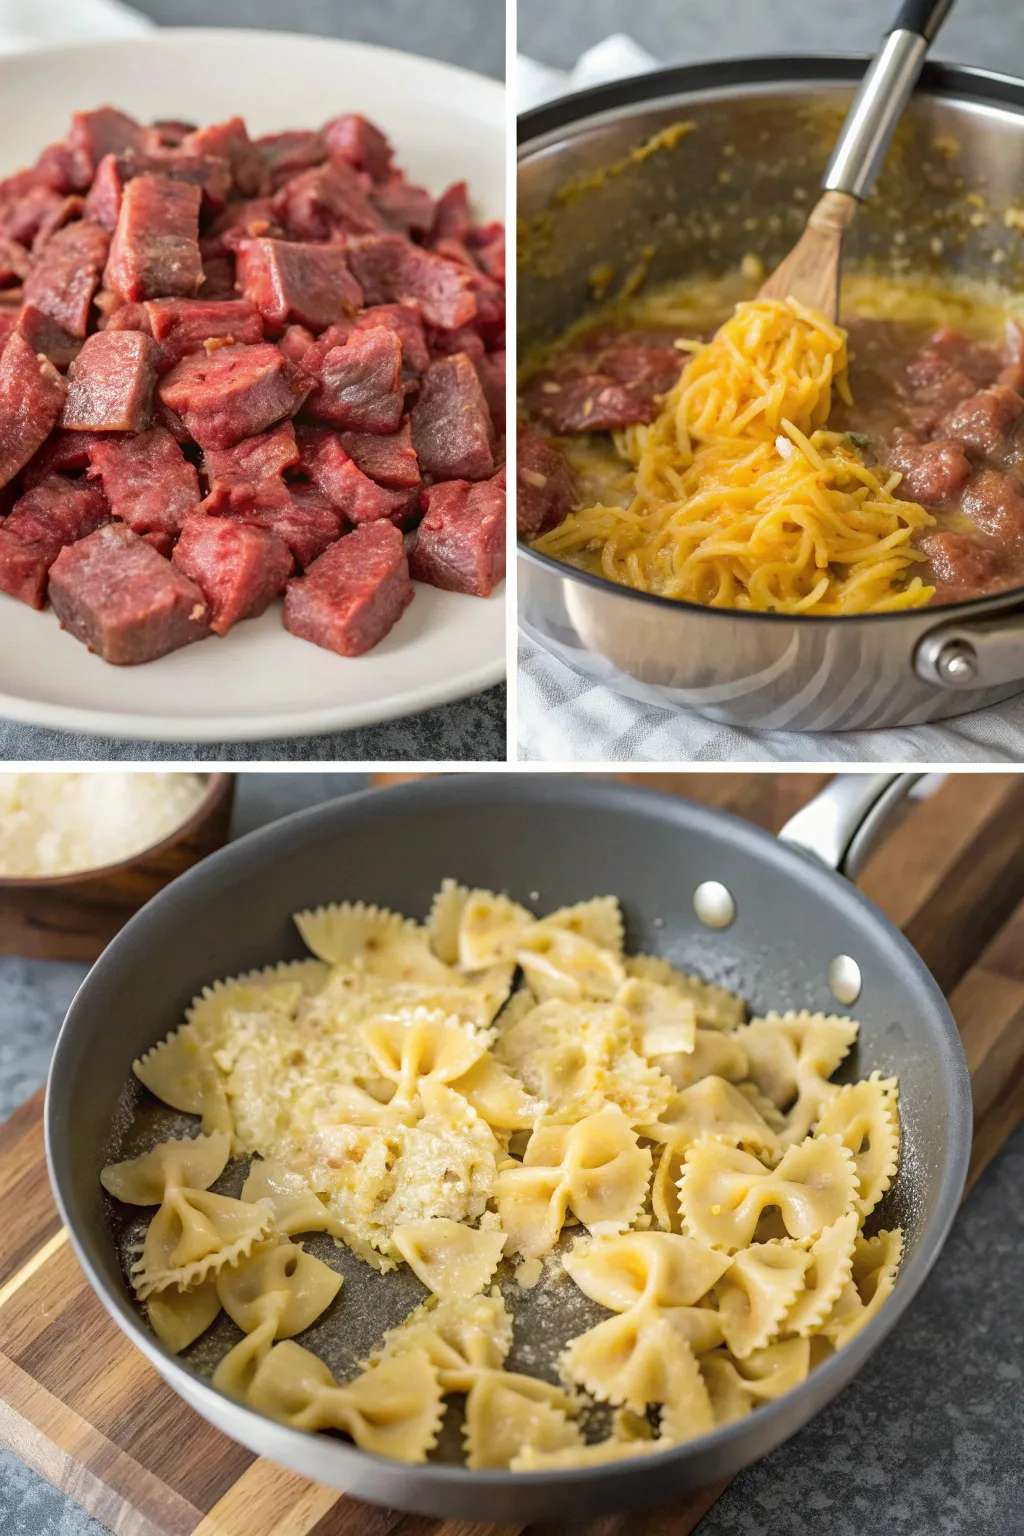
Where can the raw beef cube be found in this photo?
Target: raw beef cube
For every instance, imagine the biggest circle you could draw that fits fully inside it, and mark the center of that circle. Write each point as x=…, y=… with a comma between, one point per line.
x=210, y=173
x=251, y=220
x=31, y=396
x=103, y=203
x=148, y=481
x=351, y=492
x=218, y=277
x=452, y=221
x=14, y=261
x=96, y=134
x=544, y=488
x=230, y=140
x=460, y=544
x=46, y=518
x=490, y=370
x=240, y=568
x=359, y=385
x=388, y=460
x=404, y=206
x=234, y=393
x=349, y=598
x=21, y=218
x=326, y=201
x=110, y=383
x=67, y=209
x=45, y=336
x=65, y=277
x=60, y=167
x=405, y=321
x=392, y=270
x=285, y=154
x=305, y=283
x=296, y=342
x=250, y=473
x=162, y=542
x=352, y=139
x=182, y=326
x=304, y=520
x=488, y=246
x=451, y=424
x=124, y=317
x=168, y=132
x=8, y=325
x=155, y=249
x=122, y=599
x=65, y=453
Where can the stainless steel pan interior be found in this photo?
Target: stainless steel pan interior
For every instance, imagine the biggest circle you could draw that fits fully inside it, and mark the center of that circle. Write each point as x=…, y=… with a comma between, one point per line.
x=547, y=841
x=743, y=181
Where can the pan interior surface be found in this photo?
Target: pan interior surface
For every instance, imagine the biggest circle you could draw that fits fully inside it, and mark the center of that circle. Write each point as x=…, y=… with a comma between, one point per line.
x=547, y=842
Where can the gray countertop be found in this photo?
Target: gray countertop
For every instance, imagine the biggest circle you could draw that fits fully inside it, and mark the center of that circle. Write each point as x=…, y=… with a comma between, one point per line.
x=470, y=33
x=926, y=1442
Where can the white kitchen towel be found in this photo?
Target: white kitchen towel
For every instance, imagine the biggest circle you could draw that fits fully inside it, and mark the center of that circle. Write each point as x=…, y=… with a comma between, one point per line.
x=565, y=718
x=28, y=24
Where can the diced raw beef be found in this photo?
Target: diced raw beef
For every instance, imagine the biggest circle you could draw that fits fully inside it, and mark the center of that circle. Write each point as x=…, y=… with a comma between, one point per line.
x=168, y=132
x=404, y=206
x=218, y=277
x=22, y=218
x=60, y=167
x=393, y=270
x=304, y=520
x=296, y=342
x=389, y=460
x=250, y=473
x=488, y=246
x=182, y=326
x=359, y=385
x=148, y=481
x=352, y=596
x=122, y=599
x=932, y=472
x=53, y=514
x=285, y=154
x=406, y=322
x=210, y=173
x=239, y=568
x=460, y=544
x=31, y=396
x=980, y=421
x=106, y=132
x=46, y=337
x=545, y=494
x=124, y=317
x=65, y=277
x=351, y=492
x=491, y=371
x=356, y=141
x=291, y=281
x=63, y=453
x=8, y=325
x=451, y=424
x=67, y=209
x=110, y=384
x=251, y=220
x=325, y=202
x=103, y=203
x=230, y=140
x=155, y=249
x=162, y=542
x=14, y=261
x=452, y=220
x=234, y=393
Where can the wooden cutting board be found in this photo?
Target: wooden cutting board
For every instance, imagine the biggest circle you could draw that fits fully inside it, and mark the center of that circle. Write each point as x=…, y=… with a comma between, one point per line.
x=79, y=1404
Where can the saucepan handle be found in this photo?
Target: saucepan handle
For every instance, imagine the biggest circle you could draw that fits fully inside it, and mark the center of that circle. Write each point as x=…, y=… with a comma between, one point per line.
x=983, y=654
x=841, y=825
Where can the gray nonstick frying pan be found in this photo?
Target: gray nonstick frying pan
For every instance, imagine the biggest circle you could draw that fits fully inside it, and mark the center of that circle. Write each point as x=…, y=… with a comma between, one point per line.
x=800, y=936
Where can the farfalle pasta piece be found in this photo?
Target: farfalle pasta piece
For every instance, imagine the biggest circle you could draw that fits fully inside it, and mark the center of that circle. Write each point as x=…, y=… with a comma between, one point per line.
x=408, y=1050
x=182, y=1073
x=192, y=1162
x=599, y=920
x=275, y=1293
x=393, y=1409
x=491, y=928
x=296, y=1209
x=712, y=1107
x=737, y=1386
x=372, y=939
x=866, y=1116
x=178, y=1318
x=463, y=1339
x=193, y=1235
x=274, y=988
x=453, y=1261
x=829, y=1271
x=876, y=1262
x=571, y=1457
x=444, y=919
x=792, y=1056
x=637, y=1359
x=724, y=1191
x=595, y=1168
x=507, y=1414
x=717, y=1007
x=654, y=1267
x=714, y=1054
x=559, y=963
x=757, y=1292
x=663, y=1021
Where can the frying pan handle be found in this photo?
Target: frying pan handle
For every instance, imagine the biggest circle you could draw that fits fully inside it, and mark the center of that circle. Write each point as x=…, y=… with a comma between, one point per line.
x=840, y=826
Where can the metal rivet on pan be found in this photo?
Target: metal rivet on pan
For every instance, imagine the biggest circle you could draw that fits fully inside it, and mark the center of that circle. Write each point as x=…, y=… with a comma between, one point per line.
x=844, y=978
x=713, y=904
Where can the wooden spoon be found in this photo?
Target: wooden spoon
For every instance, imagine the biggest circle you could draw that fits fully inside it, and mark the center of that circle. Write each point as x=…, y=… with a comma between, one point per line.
x=810, y=273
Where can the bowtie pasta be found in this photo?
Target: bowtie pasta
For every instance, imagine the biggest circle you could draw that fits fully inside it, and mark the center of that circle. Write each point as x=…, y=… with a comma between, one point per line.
x=507, y=1104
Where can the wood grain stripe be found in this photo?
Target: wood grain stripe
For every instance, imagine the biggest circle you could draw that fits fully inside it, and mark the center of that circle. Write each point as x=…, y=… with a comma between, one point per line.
x=269, y=1499
x=35, y=1263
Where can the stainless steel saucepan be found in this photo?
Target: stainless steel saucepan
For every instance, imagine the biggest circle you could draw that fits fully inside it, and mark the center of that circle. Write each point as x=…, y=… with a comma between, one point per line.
x=800, y=936
x=743, y=181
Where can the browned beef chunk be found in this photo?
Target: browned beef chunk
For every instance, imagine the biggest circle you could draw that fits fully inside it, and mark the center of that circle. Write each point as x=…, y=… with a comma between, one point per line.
x=292, y=281
x=95, y=134
x=392, y=270
x=932, y=473
x=230, y=141
x=359, y=384
x=348, y=489
x=148, y=481
x=356, y=141
x=236, y=392
x=110, y=384
x=452, y=220
x=965, y=565
x=239, y=568
x=63, y=453
x=326, y=202
x=303, y=519
x=389, y=460
x=286, y=154
x=31, y=396
x=592, y=403
x=14, y=262
x=352, y=596
x=250, y=474
x=544, y=488
x=980, y=421
x=451, y=423
x=155, y=250
x=54, y=513
x=995, y=502
x=460, y=544
x=404, y=206
x=65, y=276
x=103, y=204
x=125, y=601
x=182, y=326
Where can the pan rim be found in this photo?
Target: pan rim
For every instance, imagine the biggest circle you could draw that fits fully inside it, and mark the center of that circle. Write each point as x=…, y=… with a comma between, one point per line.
x=342, y=1462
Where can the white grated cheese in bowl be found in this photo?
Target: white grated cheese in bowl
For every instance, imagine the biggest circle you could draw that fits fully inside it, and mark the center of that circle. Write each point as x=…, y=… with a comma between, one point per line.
x=64, y=823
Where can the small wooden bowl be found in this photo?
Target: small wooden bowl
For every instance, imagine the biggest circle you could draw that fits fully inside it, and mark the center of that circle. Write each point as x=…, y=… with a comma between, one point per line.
x=74, y=917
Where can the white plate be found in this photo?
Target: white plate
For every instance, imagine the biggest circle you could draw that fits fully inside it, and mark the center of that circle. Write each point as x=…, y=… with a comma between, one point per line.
x=258, y=682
